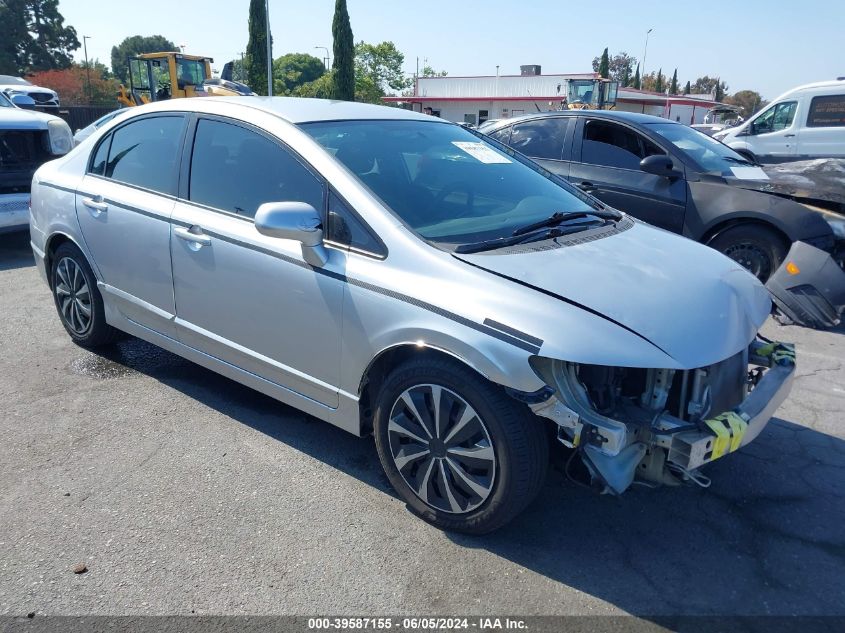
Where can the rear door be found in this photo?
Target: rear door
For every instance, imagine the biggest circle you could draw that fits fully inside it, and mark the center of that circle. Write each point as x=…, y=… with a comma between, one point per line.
x=124, y=204
x=609, y=168
x=544, y=141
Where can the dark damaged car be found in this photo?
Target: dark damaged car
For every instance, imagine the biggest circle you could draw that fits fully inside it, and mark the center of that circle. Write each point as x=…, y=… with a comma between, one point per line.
x=671, y=176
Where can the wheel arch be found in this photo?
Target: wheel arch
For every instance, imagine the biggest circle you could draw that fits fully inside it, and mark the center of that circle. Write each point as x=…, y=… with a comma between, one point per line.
x=52, y=245
x=743, y=220
x=380, y=365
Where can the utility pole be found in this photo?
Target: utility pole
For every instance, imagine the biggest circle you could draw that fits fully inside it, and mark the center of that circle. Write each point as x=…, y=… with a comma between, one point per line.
x=85, y=39
x=327, y=58
x=645, y=50
x=269, y=50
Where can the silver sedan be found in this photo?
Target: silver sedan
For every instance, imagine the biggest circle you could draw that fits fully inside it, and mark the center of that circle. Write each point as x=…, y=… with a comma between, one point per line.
x=401, y=276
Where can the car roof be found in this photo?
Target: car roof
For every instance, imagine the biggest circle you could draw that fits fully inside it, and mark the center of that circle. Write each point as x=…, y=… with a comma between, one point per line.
x=305, y=110
x=618, y=115
x=11, y=79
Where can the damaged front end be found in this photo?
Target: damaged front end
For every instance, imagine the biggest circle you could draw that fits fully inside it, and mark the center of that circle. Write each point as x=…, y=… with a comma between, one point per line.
x=659, y=426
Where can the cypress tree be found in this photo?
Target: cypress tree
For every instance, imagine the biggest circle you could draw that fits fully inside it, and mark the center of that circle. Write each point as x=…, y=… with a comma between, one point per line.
x=344, y=54
x=673, y=87
x=659, y=84
x=604, y=65
x=256, y=48
x=637, y=82
x=687, y=88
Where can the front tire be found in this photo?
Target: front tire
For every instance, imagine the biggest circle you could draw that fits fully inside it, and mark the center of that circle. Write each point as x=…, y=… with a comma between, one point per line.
x=757, y=248
x=78, y=300
x=459, y=451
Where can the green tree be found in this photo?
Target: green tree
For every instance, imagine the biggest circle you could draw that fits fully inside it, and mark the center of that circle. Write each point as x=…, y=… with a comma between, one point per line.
x=256, y=48
x=673, y=87
x=378, y=70
x=749, y=100
x=721, y=87
x=33, y=37
x=687, y=88
x=322, y=88
x=708, y=85
x=344, y=54
x=428, y=71
x=637, y=83
x=620, y=66
x=660, y=82
x=52, y=42
x=295, y=69
x=136, y=45
x=604, y=65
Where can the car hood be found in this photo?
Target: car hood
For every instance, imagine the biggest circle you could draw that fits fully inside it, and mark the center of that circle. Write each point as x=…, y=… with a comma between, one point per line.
x=692, y=303
x=18, y=119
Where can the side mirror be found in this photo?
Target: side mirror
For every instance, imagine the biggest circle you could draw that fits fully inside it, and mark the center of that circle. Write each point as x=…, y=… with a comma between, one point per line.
x=659, y=165
x=23, y=101
x=294, y=221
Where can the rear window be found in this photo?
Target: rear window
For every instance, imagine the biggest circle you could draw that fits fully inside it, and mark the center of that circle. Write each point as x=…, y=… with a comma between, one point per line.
x=827, y=111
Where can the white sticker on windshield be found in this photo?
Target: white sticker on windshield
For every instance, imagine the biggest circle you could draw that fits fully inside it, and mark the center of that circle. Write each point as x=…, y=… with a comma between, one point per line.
x=749, y=173
x=481, y=152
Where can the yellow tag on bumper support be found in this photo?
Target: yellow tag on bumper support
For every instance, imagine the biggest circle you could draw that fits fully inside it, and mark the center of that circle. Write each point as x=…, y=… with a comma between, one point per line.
x=729, y=428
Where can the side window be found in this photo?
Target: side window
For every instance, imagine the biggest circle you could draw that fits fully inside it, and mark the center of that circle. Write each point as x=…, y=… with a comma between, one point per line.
x=778, y=117
x=98, y=161
x=542, y=138
x=145, y=153
x=344, y=227
x=615, y=145
x=503, y=135
x=784, y=114
x=237, y=170
x=827, y=111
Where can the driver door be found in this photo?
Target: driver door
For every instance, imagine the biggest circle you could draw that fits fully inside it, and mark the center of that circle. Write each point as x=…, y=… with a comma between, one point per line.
x=242, y=297
x=774, y=134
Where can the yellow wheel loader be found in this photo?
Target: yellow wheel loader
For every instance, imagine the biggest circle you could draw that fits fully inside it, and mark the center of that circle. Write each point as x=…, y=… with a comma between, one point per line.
x=160, y=76
x=591, y=94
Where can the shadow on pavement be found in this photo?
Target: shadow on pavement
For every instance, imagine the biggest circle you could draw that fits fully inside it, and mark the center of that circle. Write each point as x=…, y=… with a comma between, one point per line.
x=15, y=251
x=765, y=538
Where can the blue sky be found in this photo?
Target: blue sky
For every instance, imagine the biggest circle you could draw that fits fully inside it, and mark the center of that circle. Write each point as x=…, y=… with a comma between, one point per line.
x=757, y=44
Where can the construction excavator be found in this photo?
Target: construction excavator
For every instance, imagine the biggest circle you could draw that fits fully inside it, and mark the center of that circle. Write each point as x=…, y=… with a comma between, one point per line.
x=169, y=75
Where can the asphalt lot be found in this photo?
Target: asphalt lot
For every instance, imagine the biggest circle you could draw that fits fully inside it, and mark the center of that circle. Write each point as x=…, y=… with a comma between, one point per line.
x=184, y=492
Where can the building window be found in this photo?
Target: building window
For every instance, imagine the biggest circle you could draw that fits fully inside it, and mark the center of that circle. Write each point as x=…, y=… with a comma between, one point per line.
x=483, y=115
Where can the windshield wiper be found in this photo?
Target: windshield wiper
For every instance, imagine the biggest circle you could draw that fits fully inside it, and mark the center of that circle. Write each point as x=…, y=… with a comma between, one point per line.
x=511, y=240
x=559, y=216
x=740, y=161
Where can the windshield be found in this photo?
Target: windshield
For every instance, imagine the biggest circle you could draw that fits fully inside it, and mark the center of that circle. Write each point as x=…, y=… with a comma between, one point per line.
x=709, y=154
x=10, y=80
x=443, y=181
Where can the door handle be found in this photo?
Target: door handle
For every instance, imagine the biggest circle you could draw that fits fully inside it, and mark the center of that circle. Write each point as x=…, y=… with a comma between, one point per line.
x=193, y=235
x=587, y=187
x=788, y=135
x=95, y=205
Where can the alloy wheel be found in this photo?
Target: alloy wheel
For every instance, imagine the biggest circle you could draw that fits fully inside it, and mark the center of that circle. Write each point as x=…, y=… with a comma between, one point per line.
x=73, y=296
x=441, y=448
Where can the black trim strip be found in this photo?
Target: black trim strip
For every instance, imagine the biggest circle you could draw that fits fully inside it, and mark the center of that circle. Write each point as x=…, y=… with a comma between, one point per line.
x=514, y=332
x=532, y=346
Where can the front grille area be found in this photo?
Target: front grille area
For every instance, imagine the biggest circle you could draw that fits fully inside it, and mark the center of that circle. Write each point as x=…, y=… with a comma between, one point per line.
x=23, y=149
x=21, y=153
x=41, y=97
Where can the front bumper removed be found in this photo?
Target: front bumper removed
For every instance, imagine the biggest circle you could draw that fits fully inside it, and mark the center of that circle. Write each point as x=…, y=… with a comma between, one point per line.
x=617, y=451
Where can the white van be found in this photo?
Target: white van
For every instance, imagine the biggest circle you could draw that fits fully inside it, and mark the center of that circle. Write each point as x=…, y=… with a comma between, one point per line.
x=806, y=122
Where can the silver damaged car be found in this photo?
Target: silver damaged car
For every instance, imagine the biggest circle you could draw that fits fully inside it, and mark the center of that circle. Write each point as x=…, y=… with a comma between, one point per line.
x=401, y=276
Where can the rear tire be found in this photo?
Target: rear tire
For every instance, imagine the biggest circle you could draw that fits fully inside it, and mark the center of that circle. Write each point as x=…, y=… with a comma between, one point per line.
x=77, y=299
x=757, y=248
x=474, y=465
